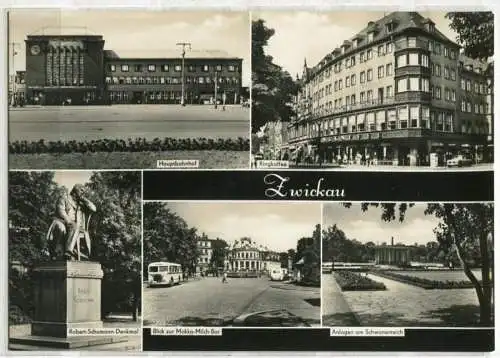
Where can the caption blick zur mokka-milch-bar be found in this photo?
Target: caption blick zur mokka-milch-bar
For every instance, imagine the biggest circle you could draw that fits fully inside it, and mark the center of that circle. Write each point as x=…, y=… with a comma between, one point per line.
x=398, y=92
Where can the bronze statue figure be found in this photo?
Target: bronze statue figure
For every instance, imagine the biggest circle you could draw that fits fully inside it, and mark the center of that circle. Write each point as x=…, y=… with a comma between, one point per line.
x=69, y=228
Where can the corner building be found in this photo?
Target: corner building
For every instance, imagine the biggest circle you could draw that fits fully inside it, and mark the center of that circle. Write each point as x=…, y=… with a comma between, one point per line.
x=395, y=93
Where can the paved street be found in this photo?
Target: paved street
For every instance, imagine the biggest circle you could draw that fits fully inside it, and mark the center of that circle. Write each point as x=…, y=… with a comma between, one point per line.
x=127, y=121
x=388, y=168
x=210, y=302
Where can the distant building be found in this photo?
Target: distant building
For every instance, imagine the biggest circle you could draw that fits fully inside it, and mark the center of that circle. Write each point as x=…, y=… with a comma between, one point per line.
x=206, y=252
x=247, y=255
x=397, y=255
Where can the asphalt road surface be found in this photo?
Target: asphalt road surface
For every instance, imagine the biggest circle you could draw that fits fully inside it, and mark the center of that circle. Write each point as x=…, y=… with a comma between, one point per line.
x=209, y=302
x=127, y=121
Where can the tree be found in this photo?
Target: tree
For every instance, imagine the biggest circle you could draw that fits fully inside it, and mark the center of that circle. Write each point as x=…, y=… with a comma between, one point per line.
x=465, y=229
x=32, y=203
x=272, y=88
x=167, y=237
x=116, y=232
x=475, y=32
x=219, y=253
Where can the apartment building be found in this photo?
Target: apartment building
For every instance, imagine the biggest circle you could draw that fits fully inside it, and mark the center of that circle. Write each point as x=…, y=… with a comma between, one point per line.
x=397, y=93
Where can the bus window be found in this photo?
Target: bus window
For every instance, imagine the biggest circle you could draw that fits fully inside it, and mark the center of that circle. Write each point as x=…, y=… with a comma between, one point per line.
x=153, y=269
x=163, y=268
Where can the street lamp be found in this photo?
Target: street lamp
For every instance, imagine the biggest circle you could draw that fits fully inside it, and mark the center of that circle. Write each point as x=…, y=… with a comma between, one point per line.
x=184, y=45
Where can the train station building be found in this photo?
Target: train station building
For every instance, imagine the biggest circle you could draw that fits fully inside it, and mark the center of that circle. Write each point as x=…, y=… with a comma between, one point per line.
x=77, y=69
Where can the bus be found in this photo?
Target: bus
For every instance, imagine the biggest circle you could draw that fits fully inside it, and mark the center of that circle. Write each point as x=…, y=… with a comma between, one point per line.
x=164, y=273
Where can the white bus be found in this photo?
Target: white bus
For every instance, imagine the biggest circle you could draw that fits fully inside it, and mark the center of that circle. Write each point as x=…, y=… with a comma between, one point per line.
x=164, y=273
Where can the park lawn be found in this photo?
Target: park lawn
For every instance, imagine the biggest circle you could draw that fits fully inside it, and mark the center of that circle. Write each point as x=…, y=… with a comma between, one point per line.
x=208, y=159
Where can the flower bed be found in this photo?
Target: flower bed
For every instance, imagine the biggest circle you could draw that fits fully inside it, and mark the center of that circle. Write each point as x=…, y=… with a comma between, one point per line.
x=424, y=283
x=130, y=145
x=350, y=281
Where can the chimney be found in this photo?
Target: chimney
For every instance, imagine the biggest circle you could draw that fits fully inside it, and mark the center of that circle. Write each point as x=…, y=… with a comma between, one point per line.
x=392, y=241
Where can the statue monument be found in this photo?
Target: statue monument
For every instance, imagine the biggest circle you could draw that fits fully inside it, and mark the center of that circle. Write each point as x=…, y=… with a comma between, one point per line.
x=67, y=289
x=70, y=227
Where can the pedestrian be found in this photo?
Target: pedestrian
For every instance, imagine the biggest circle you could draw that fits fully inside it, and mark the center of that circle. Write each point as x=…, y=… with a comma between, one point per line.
x=224, y=277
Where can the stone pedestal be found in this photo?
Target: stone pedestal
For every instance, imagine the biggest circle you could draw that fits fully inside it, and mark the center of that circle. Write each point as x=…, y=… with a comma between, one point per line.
x=67, y=295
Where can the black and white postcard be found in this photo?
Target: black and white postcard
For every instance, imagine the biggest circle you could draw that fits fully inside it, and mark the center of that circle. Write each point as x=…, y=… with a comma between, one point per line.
x=123, y=89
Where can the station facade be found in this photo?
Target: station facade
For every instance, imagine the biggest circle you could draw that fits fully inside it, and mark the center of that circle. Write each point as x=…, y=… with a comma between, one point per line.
x=78, y=70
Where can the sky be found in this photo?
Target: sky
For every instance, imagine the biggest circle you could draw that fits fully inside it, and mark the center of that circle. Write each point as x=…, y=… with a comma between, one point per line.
x=276, y=225
x=139, y=33
x=312, y=35
x=368, y=226
x=70, y=178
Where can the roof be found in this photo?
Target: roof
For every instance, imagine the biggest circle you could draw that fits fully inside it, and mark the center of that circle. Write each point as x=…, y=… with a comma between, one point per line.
x=168, y=54
x=401, y=20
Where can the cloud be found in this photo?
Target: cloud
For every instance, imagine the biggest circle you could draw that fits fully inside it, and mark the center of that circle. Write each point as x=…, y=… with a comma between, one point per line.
x=368, y=226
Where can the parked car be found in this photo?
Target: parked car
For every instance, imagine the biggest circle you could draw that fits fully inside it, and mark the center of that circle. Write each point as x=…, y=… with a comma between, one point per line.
x=459, y=161
x=277, y=275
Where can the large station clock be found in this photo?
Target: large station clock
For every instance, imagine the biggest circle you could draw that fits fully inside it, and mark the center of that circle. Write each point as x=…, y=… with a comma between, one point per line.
x=35, y=50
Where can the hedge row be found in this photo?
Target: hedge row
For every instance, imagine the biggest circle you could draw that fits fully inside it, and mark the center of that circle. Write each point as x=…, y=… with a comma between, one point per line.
x=425, y=283
x=130, y=145
x=350, y=281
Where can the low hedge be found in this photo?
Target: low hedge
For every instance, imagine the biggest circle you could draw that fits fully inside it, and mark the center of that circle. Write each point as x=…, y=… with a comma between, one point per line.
x=350, y=281
x=130, y=145
x=423, y=282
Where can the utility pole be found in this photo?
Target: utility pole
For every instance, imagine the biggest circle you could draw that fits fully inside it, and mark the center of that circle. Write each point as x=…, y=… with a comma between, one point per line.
x=215, y=88
x=184, y=45
x=13, y=46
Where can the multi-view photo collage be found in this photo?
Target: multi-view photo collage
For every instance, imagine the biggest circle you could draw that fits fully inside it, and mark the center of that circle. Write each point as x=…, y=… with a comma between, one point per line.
x=122, y=123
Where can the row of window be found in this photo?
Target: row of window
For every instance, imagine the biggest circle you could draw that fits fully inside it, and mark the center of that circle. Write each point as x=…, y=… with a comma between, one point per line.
x=167, y=68
x=479, y=88
x=383, y=49
x=64, y=70
x=246, y=255
x=351, y=62
x=393, y=119
x=364, y=76
x=152, y=96
x=141, y=80
x=204, y=243
x=478, y=108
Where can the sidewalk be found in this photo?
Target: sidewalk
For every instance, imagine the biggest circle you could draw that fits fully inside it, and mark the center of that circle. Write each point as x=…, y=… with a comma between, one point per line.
x=336, y=310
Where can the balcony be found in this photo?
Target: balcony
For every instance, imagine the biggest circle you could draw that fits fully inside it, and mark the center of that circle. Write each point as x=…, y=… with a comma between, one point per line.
x=412, y=70
x=378, y=102
x=404, y=44
x=413, y=97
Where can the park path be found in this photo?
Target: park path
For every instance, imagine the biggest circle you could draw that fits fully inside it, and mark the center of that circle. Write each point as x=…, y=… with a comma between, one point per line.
x=336, y=310
x=407, y=305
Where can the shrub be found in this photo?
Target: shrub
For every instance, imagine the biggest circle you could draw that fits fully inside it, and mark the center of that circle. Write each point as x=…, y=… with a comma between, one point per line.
x=425, y=283
x=350, y=281
x=130, y=145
